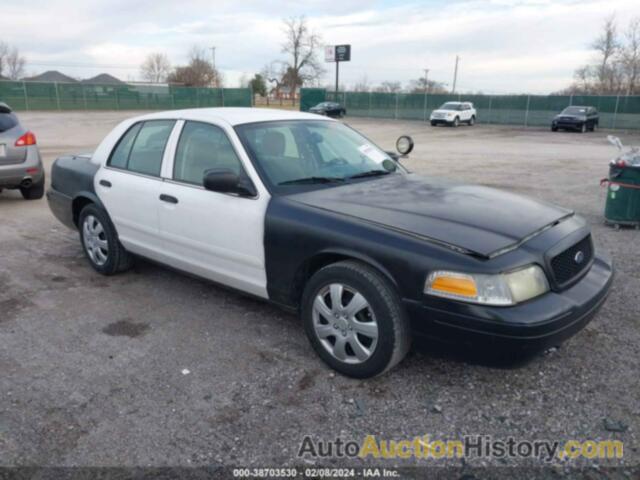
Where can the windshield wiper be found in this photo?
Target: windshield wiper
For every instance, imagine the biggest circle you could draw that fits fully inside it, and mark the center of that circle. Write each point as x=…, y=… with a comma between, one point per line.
x=310, y=180
x=371, y=173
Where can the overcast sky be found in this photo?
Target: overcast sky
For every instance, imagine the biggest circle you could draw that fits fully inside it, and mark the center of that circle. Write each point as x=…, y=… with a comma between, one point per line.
x=505, y=46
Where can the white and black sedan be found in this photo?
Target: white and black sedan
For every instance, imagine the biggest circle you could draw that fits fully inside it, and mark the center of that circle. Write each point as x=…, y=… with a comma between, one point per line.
x=307, y=213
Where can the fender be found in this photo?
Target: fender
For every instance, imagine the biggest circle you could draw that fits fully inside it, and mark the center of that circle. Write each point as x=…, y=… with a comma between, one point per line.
x=361, y=257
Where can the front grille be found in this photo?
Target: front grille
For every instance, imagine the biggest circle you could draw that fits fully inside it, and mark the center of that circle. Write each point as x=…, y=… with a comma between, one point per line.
x=566, y=266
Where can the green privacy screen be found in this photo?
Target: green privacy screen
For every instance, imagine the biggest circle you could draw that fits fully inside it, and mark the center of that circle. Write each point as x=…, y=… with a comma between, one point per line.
x=80, y=96
x=310, y=97
x=524, y=110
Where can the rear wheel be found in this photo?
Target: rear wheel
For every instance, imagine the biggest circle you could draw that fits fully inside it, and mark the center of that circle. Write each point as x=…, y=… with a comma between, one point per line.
x=34, y=192
x=472, y=121
x=354, y=320
x=100, y=242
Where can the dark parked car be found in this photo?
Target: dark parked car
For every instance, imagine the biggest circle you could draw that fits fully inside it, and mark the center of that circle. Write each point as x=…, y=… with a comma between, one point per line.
x=20, y=164
x=576, y=118
x=330, y=109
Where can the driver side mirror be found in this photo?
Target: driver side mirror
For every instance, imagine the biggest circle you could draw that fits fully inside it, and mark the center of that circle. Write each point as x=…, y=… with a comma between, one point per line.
x=223, y=180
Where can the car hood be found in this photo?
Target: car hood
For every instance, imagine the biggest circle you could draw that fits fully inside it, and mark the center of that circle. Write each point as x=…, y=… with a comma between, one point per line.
x=570, y=116
x=479, y=220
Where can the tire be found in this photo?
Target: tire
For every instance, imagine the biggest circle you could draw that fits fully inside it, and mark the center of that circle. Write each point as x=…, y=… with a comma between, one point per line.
x=456, y=122
x=433, y=124
x=372, y=339
x=594, y=127
x=472, y=121
x=97, y=233
x=583, y=128
x=554, y=129
x=34, y=192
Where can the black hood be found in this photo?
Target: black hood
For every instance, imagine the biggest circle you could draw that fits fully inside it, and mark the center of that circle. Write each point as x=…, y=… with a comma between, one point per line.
x=480, y=220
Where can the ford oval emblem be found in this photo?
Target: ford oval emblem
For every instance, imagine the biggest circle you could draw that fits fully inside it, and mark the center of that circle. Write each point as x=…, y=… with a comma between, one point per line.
x=579, y=257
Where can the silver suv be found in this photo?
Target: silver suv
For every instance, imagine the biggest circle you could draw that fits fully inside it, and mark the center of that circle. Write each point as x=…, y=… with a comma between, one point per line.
x=20, y=163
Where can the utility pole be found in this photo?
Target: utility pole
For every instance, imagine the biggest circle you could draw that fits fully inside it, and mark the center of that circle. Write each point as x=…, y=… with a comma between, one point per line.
x=426, y=88
x=213, y=57
x=455, y=75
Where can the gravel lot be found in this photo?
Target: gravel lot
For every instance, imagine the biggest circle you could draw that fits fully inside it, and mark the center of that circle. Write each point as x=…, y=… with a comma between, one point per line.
x=92, y=367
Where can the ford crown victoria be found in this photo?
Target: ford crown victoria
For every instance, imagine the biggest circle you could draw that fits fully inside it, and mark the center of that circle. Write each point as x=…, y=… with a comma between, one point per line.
x=308, y=213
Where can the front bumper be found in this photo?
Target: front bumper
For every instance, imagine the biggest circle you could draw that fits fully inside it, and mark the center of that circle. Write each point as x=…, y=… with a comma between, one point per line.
x=567, y=125
x=530, y=327
x=443, y=121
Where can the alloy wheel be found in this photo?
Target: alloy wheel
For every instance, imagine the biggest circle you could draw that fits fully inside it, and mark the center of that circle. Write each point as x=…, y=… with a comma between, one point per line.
x=345, y=323
x=95, y=240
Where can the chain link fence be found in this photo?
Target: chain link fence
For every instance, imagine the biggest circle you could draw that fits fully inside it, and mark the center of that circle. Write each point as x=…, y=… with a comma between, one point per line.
x=82, y=96
x=622, y=112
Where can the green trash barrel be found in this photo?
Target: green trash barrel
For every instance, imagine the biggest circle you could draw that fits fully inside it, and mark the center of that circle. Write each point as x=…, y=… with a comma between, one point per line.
x=623, y=195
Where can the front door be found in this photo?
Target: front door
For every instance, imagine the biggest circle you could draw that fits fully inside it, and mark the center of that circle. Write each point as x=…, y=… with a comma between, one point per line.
x=215, y=235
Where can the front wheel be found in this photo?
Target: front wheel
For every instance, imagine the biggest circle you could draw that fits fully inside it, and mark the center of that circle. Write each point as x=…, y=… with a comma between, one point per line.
x=100, y=242
x=354, y=320
x=583, y=128
x=472, y=121
x=456, y=122
x=433, y=124
x=554, y=128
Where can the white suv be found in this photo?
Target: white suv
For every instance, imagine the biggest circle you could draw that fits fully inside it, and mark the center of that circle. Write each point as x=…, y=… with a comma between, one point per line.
x=454, y=113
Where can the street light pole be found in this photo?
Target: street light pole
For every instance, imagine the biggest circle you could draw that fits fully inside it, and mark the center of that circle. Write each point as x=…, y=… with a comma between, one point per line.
x=213, y=57
x=455, y=75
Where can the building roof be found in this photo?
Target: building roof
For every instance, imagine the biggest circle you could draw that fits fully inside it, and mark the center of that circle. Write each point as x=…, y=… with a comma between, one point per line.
x=234, y=115
x=51, y=76
x=104, y=79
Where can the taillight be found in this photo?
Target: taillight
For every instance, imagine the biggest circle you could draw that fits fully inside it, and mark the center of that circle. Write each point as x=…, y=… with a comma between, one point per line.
x=26, y=140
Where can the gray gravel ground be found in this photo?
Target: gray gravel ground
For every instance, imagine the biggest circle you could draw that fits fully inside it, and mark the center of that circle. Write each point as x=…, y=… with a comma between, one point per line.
x=92, y=367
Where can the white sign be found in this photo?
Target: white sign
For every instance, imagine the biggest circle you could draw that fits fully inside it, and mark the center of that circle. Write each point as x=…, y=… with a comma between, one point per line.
x=330, y=53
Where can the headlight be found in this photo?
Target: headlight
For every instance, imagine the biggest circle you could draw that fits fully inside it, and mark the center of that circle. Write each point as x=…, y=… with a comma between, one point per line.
x=502, y=289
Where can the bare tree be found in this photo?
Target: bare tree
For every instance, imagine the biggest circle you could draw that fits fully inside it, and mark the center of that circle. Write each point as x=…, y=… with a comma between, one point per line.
x=15, y=64
x=4, y=51
x=389, y=87
x=422, y=85
x=198, y=73
x=362, y=85
x=155, y=68
x=301, y=45
x=607, y=45
x=630, y=56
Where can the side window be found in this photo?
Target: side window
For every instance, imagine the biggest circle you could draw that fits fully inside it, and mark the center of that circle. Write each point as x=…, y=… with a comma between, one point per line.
x=120, y=156
x=148, y=148
x=202, y=147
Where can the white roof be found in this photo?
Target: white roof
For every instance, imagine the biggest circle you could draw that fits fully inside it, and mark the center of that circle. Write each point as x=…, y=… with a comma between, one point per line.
x=234, y=115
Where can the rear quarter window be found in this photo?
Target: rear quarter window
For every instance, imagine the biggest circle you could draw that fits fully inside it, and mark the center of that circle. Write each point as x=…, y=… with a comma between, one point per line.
x=7, y=121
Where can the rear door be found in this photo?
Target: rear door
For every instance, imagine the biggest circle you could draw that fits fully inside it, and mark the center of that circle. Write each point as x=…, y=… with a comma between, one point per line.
x=129, y=185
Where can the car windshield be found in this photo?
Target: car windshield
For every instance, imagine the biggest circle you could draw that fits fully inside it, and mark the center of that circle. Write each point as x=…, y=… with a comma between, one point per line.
x=451, y=106
x=307, y=152
x=575, y=111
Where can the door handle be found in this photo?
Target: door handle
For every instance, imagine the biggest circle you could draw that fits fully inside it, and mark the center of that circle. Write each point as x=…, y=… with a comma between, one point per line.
x=168, y=198
x=105, y=183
